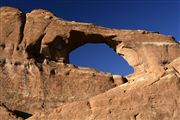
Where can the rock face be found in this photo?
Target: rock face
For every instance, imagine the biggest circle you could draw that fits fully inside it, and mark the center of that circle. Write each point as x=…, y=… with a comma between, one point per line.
x=38, y=83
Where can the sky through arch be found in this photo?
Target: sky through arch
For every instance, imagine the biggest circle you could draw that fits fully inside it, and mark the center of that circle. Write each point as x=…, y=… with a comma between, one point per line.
x=101, y=57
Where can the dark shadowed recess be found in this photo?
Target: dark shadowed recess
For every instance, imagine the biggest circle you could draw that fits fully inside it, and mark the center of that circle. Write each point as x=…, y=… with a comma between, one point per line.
x=21, y=114
x=17, y=113
x=101, y=57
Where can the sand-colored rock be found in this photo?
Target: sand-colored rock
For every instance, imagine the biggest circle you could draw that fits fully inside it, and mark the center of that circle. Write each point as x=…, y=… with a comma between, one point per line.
x=141, y=100
x=36, y=78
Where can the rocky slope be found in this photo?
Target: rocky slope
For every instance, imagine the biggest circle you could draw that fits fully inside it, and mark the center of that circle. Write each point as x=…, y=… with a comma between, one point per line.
x=38, y=83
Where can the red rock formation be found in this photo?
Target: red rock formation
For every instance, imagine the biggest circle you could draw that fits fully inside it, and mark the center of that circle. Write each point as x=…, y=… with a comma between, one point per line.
x=38, y=83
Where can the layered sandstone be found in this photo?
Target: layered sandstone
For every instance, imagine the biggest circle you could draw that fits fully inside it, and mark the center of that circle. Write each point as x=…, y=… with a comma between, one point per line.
x=38, y=83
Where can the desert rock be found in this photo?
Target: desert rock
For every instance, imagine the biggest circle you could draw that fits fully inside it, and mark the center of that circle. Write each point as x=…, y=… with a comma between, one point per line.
x=36, y=78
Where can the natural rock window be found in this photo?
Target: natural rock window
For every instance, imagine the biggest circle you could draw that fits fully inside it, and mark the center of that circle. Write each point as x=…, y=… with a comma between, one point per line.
x=101, y=57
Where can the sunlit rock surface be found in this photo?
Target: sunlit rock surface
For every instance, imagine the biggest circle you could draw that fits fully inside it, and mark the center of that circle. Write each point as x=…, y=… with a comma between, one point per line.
x=38, y=83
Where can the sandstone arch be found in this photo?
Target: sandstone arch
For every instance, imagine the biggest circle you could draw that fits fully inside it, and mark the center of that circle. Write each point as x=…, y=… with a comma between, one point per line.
x=143, y=50
x=132, y=45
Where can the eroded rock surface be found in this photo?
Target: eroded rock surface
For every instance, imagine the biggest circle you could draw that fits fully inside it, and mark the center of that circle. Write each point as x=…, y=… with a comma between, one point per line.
x=38, y=83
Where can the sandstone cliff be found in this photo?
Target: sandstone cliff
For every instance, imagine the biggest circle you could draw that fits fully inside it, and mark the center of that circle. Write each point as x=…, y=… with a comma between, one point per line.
x=38, y=83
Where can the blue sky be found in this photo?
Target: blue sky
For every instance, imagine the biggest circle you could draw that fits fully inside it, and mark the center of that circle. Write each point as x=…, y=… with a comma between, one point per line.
x=151, y=15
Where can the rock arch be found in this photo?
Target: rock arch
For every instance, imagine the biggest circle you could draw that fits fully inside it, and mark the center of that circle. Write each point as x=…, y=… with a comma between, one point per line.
x=131, y=44
x=134, y=46
x=53, y=38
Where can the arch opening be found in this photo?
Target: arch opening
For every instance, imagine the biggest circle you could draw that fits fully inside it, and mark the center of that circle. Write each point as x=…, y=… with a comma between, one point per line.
x=101, y=57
